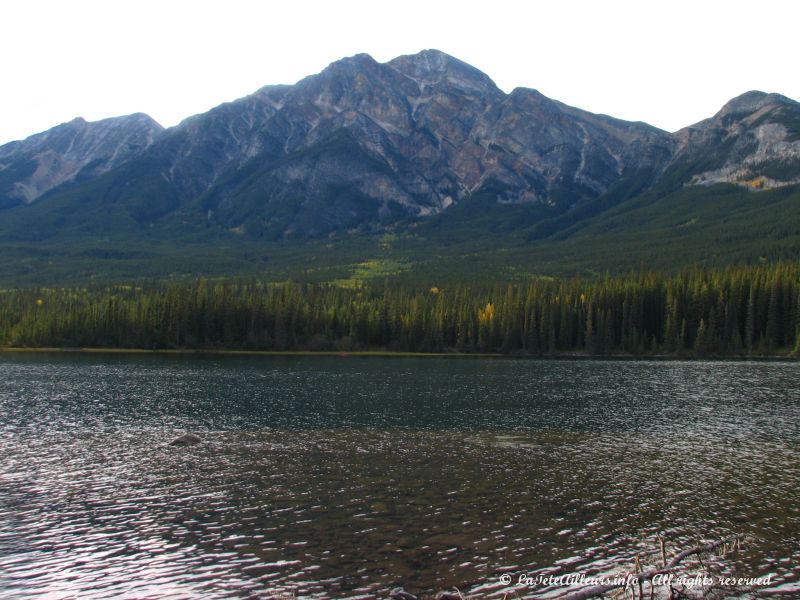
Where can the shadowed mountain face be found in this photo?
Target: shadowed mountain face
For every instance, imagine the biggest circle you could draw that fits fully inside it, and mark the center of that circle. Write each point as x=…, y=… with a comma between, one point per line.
x=363, y=146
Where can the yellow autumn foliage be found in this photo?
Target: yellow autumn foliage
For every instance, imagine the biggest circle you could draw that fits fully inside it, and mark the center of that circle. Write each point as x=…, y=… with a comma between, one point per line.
x=486, y=315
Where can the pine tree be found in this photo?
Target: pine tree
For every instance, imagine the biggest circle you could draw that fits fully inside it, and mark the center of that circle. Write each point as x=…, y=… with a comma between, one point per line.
x=701, y=341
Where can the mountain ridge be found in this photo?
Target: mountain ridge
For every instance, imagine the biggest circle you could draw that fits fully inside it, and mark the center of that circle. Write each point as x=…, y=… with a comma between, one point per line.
x=366, y=148
x=241, y=139
x=54, y=157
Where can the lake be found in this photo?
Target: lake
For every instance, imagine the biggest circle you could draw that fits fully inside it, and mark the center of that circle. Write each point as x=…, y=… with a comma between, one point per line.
x=345, y=477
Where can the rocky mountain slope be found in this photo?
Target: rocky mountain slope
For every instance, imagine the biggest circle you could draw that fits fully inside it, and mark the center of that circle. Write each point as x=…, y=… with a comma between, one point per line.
x=753, y=141
x=364, y=142
x=366, y=147
x=69, y=153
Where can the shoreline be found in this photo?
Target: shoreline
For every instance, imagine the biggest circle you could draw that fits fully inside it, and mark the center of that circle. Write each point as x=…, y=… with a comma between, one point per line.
x=393, y=354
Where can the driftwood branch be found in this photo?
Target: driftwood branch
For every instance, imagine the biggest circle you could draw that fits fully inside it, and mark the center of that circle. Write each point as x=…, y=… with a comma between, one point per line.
x=639, y=578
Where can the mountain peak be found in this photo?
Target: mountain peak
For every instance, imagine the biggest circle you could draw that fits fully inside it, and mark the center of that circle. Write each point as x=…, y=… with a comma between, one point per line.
x=752, y=101
x=430, y=60
x=72, y=149
x=140, y=117
x=357, y=61
x=433, y=66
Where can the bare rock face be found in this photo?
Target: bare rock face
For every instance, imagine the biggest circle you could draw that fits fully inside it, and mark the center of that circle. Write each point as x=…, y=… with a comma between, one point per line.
x=365, y=144
x=69, y=152
x=370, y=142
x=754, y=141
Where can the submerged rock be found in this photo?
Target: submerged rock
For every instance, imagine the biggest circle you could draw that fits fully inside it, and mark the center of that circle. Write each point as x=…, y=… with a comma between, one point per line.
x=187, y=439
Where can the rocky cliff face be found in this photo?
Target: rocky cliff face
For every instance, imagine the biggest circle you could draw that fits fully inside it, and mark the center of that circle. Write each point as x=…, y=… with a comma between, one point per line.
x=70, y=152
x=363, y=144
x=753, y=141
x=370, y=142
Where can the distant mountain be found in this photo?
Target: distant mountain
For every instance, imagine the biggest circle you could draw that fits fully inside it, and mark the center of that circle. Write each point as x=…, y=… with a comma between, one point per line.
x=753, y=141
x=424, y=144
x=70, y=153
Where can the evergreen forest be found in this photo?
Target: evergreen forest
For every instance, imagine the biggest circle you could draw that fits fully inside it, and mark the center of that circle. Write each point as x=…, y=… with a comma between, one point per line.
x=736, y=311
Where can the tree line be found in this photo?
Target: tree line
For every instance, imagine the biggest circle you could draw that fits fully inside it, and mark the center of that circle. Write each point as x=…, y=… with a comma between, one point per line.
x=747, y=310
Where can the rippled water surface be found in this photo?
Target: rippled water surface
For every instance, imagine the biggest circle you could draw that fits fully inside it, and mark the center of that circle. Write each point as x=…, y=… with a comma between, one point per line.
x=347, y=477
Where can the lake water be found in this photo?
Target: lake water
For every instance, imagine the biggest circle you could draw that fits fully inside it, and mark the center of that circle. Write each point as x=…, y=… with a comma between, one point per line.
x=345, y=477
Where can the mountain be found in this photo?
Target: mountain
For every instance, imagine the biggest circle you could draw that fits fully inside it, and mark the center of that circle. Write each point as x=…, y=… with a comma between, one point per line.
x=424, y=149
x=70, y=153
x=364, y=143
x=754, y=141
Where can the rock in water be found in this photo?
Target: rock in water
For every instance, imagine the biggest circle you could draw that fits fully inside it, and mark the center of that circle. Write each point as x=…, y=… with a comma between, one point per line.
x=401, y=594
x=187, y=439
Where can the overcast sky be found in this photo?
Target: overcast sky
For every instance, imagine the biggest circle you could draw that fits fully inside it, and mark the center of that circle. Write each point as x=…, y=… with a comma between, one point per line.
x=670, y=64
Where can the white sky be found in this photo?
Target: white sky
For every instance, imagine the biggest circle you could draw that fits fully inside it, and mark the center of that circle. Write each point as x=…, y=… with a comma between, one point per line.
x=670, y=64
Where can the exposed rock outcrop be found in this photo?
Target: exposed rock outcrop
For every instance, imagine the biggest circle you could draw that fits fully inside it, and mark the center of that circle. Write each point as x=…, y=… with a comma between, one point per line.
x=70, y=152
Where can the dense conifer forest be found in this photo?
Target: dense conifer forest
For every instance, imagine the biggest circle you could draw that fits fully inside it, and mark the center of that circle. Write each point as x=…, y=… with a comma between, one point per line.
x=750, y=310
